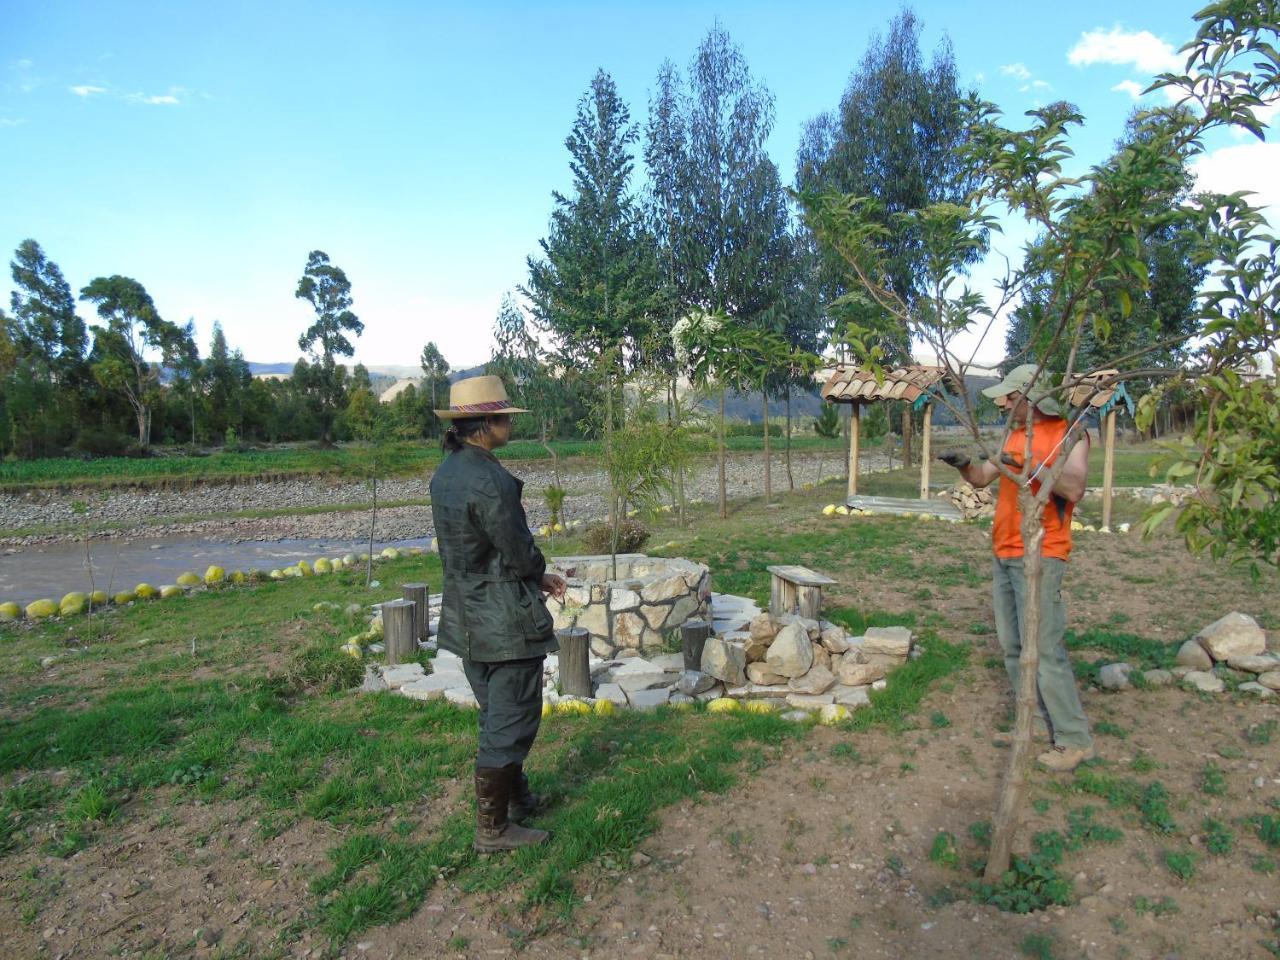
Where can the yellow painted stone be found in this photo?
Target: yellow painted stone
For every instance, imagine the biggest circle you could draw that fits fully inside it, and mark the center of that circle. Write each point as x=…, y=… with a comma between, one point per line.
x=238, y=576
x=169, y=591
x=40, y=609
x=98, y=598
x=276, y=574
x=10, y=611
x=390, y=553
x=605, y=708
x=547, y=708
x=1077, y=525
x=723, y=705
x=322, y=565
x=842, y=510
x=73, y=597
x=145, y=591
x=188, y=580
x=543, y=531
x=73, y=607
x=123, y=597
x=352, y=650
x=829, y=510
x=572, y=708
x=833, y=713
x=680, y=706
x=215, y=574
x=758, y=706
x=292, y=571
x=304, y=568
x=559, y=528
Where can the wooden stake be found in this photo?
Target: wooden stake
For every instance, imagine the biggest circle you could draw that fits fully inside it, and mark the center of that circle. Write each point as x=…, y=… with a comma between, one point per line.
x=575, y=672
x=925, y=438
x=398, y=631
x=417, y=592
x=693, y=637
x=1108, y=465
x=855, y=429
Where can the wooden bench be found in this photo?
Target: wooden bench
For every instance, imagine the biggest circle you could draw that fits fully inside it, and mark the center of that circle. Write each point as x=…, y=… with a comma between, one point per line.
x=796, y=590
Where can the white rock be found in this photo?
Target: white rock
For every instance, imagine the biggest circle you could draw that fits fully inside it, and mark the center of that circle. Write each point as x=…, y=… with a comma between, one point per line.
x=791, y=653
x=431, y=688
x=754, y=691
x=1192, y=655
x=880, y=685
x=725, y=660
x=762, y=674
x=1205, y=682
x=1115, y=676
x=887, y=641
x=648, y=699
x=734, y=625
x=1270, y=679
x=854, y=674
x=461, y=697
x=1259, y=663
x=715, y=693
x=1257, y=689
x=817, y=680
x=623, y=600
x=851, y=697
x=1157, y=678
x=694, y=682
x=671, y=662
x=804, y=701
x=765, y=627
x=797, y=716
x=1235, y=635
x=402, y=673
x=613, y=692
x=835, y=639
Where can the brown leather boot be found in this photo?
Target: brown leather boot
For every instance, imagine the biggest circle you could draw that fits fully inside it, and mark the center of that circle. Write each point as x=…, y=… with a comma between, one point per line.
x=495, y=831
x=524, y=802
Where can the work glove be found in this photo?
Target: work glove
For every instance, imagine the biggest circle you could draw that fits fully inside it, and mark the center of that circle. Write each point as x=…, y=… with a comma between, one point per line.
x=1010, y=461
x=955, y=458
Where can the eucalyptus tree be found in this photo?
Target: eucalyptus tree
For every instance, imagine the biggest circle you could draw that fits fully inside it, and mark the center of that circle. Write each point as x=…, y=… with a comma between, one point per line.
x=326, y=287
x=435, y=372
x=133, y=328
x=1091, y=227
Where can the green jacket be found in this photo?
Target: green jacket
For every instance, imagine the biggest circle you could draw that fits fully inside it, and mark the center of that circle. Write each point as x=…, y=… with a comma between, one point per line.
x=493, y=607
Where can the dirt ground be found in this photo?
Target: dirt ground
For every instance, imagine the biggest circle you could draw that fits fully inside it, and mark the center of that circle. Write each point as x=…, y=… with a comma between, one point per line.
x=820, y=850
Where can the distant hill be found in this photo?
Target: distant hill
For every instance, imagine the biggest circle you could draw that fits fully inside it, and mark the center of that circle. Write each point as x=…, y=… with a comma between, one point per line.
x=389, y=373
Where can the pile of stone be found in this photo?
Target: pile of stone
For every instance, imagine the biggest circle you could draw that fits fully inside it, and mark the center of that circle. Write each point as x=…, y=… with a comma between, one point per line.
x=971, y=501
x=1231, y=648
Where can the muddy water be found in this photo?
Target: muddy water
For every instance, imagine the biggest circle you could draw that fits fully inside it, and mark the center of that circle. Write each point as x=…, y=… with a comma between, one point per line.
x=56, y=569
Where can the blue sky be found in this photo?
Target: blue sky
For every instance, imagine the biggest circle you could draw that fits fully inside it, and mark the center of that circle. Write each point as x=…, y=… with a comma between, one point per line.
x=206, y=149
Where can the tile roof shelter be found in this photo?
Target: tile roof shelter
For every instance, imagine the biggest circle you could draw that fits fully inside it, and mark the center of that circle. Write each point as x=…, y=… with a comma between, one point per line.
x=916, y=384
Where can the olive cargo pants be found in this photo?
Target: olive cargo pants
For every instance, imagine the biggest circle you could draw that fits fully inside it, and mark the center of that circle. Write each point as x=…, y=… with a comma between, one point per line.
x=509, y=693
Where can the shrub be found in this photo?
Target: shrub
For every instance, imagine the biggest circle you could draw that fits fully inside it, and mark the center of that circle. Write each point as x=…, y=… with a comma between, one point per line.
x=739, y=429
x=632, y=535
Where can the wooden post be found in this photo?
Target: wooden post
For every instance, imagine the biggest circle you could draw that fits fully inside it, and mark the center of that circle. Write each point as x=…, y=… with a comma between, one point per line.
x=1108, y=465
x=417, y=592
x=925, y=437
x=693, y=637
x=398, y=631
x=575, y=671
x=855, y=424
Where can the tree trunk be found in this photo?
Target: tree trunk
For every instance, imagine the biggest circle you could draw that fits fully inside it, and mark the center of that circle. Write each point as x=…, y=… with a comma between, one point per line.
x=1013, y=793
x=906, y=436
x=791, y=480
x=680, y=494
x=768, y=452
x=574, y=661
x=724, y=499
x=373, y=521
x=140, y=412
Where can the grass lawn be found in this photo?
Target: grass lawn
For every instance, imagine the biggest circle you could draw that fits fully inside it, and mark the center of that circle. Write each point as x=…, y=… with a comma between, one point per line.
x=218, y=735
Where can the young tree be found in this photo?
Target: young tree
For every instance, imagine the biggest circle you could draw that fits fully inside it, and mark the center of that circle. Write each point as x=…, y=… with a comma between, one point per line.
x=133, y=326
x=328, y=290
x=435, y=373
x=188, y=375
x=1091, y=227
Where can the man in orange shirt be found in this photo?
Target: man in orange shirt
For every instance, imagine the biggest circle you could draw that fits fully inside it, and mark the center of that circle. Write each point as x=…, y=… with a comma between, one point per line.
x=1061, y=714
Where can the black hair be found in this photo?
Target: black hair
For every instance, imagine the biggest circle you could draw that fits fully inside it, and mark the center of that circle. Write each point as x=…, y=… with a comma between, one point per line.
x=455, y=436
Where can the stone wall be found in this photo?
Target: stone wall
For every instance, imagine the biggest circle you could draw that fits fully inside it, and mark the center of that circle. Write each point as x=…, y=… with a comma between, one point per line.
x=649, y=599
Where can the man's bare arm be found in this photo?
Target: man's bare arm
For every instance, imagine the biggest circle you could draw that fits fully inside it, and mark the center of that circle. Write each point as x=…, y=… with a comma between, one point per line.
x=976, y=474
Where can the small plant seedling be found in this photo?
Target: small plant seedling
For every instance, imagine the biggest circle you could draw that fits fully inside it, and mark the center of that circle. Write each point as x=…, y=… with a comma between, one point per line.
x=1260, y=734
x=1142, y=762
x=1181, y=864
x=1218, y=838
x=939, y=720
x=944, y=852
x=1212, y=780
x=1038, y=946
x=1164, y=907
x=1111, y=729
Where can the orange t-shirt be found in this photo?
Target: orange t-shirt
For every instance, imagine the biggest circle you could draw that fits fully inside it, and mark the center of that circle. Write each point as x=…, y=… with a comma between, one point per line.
x=1006, y=530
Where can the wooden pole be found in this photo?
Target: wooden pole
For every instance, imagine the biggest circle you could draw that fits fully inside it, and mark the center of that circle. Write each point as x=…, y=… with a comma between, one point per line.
x=575, y=670
x=398, y=631
x=1108, y=465
x=925, y=438
x=693, y=637
x=855, y=425
x=417, y=592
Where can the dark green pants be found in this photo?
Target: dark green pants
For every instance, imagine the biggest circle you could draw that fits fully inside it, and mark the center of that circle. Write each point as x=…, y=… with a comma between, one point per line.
x=510, y=696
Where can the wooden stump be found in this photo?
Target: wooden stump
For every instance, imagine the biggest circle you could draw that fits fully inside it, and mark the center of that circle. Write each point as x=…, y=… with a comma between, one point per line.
x=417, y=592
x=398, y=630
x=575, y=672
x=693, y=637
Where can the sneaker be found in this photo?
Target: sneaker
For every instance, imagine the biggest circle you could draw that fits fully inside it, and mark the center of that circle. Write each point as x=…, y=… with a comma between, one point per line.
x=1064, y=759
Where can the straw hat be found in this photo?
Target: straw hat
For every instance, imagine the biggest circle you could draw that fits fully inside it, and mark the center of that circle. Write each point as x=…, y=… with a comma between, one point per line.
x=478, y=397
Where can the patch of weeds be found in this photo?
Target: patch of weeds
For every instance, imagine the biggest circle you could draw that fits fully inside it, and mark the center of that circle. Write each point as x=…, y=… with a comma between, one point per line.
x=944, y=896
x=64, y=844
x=91, y=803
x=1230, y=751
x=1268, y=827
x=1218, y=838
x=1111, y=729
x=1040, y=805
x=818, y=783
x=458, y=943
x=1212, y=780
x=1164, y=907
x=836, y=944
x=1037, y=945
x=1181, y=863
x=939, y=720
x=1118, y=924
x=1143, y=762
x=1083, y=829
x=1032, y=883
x=1263, y=865
x=943, y=851
x=1154, y=806
x=893, y=863
x=1260, y=734
x=846, y=751
x=980, y=833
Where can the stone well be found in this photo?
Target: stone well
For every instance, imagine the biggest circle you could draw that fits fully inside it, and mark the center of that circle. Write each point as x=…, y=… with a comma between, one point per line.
x=650, y=598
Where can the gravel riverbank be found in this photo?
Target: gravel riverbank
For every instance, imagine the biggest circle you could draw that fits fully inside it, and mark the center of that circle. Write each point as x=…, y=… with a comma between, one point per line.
x=202, y=509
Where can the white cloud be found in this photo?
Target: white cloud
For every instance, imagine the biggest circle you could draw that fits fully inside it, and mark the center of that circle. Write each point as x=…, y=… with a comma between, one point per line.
x=1246, y=166
x=1040, y=84
x=12, y=121
x=1018, y=71
x=1131, y=87
x=1140, y=49
x=86, y=90
x=170, y=99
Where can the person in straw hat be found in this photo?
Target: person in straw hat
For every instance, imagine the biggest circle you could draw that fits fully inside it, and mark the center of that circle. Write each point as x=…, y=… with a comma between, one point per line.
x=494, y=617
x=1060, y=715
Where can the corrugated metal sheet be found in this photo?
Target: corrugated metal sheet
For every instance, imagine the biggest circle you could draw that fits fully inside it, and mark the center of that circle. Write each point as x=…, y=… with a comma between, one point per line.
x=852, y=385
